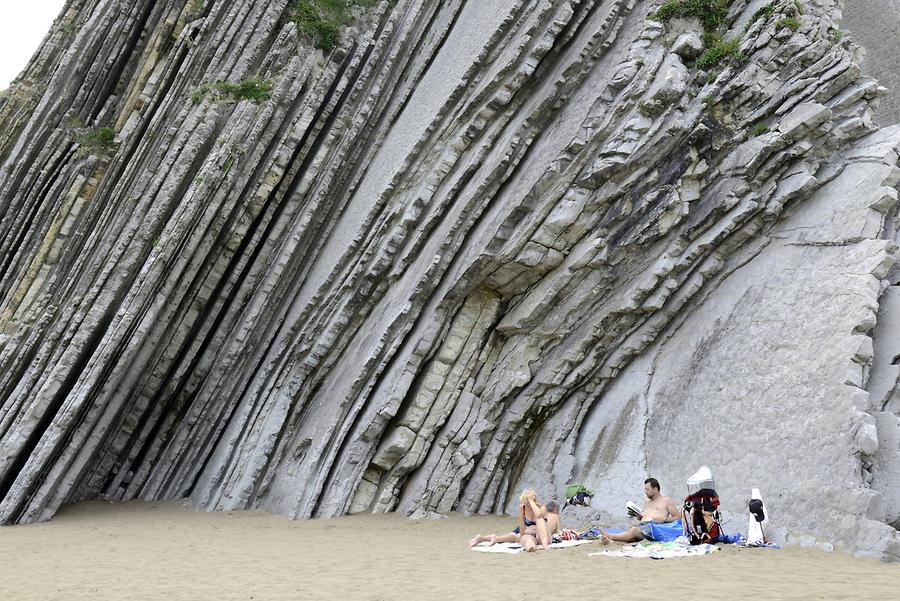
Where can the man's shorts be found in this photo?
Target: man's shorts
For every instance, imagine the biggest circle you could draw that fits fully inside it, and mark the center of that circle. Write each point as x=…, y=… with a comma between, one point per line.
x=644, y=527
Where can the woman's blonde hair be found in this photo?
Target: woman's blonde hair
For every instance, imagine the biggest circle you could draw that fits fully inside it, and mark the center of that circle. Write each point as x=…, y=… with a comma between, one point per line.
x=525, y=495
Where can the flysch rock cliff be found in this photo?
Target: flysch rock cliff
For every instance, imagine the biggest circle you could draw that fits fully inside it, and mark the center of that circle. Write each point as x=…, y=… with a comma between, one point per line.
x=464, y=248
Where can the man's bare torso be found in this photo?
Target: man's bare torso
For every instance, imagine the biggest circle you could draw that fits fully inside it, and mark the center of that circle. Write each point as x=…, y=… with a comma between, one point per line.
x=552, y=522
x=657, y=509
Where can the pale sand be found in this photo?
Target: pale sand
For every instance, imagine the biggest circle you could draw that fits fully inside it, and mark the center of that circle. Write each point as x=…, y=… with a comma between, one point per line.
x=101, y=551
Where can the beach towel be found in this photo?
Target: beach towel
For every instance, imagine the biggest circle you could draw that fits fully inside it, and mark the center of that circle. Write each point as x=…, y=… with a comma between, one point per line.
x=511, y=548
x=658, y=550
x=672, y=531
x=663, y=533
x=742, y=542
x=668, y=532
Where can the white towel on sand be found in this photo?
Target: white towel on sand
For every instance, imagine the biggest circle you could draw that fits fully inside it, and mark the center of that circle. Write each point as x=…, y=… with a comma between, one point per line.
x=658, y=550
x=517, y=548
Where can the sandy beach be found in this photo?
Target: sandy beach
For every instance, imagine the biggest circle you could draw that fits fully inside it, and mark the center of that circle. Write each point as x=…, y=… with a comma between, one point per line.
x=165, y=550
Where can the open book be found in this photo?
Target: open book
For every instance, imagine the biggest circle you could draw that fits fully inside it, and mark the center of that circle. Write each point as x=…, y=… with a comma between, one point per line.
x=633, y=510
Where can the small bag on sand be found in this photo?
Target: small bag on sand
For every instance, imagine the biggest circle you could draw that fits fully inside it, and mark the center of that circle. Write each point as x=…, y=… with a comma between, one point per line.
x=578, y=494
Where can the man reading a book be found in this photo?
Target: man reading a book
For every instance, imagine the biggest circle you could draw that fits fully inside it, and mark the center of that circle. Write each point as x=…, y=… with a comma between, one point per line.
x=658, y=508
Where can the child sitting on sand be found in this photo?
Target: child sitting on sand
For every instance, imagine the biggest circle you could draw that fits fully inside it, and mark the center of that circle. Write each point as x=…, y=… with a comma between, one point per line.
x=537, y=524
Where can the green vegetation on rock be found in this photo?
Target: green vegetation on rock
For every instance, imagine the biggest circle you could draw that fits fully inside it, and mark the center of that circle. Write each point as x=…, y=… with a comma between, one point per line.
x=791, y=23
x=195, y=8
x=759, y=129
x=254, y=90
x=721, y=51
x=711, y=13
x=763, y=13
x=320, y=21
x=99, y=141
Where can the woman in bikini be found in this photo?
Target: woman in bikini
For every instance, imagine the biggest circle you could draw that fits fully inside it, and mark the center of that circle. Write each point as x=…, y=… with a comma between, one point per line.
x=537, y=523
x=534, y=522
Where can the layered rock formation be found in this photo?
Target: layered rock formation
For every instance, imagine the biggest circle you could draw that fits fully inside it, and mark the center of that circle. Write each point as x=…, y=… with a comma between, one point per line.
x=475, y=246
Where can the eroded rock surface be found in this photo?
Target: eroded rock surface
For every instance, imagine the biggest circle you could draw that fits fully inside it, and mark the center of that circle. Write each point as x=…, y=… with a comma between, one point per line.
x=476, y=246
x=875, y=25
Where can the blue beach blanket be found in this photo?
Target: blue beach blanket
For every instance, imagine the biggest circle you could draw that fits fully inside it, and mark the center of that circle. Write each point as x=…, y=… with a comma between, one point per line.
x=667, y=533
x=663, y=533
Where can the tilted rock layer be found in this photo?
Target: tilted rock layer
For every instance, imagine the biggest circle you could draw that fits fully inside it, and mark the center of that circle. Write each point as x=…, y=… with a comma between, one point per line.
x=476, y=247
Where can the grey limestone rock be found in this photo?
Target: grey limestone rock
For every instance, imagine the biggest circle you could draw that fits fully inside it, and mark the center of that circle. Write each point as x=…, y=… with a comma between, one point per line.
x=473, y=247
x=688, y=45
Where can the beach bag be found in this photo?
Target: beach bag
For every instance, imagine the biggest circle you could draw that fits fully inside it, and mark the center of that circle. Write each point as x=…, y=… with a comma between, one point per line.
x=569, y=535
x=700, y=516
x=578, y=494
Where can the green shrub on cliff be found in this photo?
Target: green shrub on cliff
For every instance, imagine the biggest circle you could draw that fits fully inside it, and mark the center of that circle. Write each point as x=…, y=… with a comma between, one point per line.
x=719, y=52
x=759, y=129
x=254, y=90
x=99, y=141
x=790, y=22
x=320, y=21
x=761, y=14
x=711, y=13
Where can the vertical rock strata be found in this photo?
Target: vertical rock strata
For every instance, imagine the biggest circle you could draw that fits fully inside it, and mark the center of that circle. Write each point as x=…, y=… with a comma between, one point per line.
x=475, y=246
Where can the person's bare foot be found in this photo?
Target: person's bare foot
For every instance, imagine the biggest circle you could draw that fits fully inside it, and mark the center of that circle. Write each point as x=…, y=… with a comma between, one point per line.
x=478, y=540
x=603, y=540
x=493, y=540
